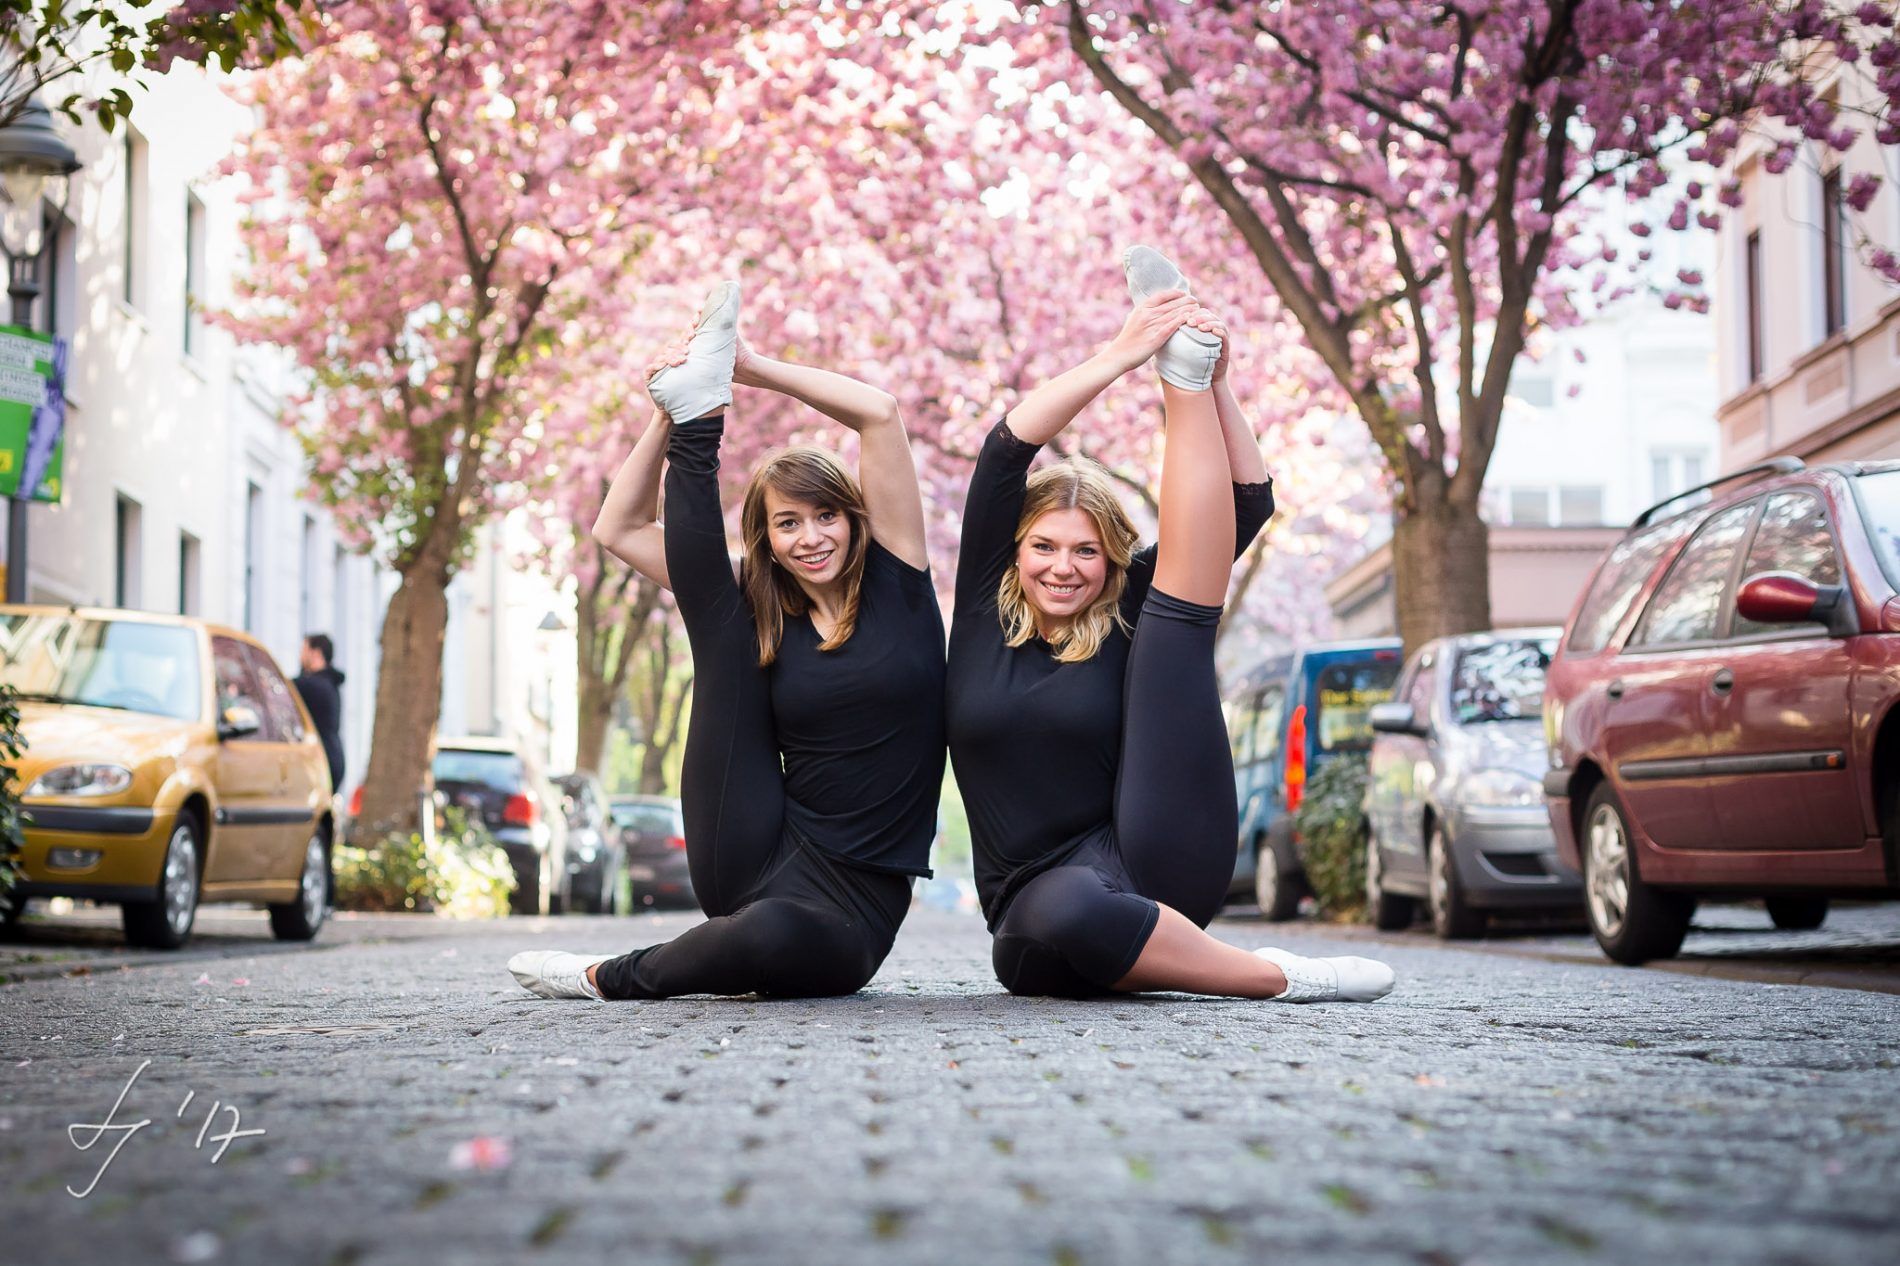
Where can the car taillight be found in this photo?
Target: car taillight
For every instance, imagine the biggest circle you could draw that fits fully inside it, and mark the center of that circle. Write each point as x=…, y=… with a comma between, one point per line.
x=356, y=801
x=676, y=842
x=1296, y=759
x=521, y=810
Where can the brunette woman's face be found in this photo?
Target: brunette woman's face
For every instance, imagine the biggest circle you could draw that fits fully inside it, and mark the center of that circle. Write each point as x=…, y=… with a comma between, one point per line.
x=1062, y=564
x=810, y=541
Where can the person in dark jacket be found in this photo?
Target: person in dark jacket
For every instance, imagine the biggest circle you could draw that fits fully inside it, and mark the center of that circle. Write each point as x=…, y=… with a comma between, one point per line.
x=321, y=686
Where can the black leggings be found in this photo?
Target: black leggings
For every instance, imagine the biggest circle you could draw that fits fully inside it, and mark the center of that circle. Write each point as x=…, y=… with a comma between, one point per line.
x=785, y=919
x=1078, y=927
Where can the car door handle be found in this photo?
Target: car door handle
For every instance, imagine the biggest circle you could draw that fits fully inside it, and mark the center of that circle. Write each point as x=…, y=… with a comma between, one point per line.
x=1615, y=689
x=1722, y=682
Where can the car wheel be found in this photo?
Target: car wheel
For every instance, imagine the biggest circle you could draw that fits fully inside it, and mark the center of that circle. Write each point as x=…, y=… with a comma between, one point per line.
x=1632, y=921
x=1797, y=914
x=1388, y=911
x=1452, y=916
x=526, y=898
x=165, y=922
x=1277, y=893
x=299, y=920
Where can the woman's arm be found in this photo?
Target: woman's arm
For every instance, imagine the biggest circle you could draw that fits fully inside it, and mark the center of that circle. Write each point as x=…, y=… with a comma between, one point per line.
x=885, y=468
x=1243, y=450
x=628, y=525
x=1044, y=412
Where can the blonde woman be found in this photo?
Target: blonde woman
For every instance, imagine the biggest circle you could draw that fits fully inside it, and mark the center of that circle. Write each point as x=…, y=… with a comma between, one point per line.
x=814, y=752
x=1083, y=710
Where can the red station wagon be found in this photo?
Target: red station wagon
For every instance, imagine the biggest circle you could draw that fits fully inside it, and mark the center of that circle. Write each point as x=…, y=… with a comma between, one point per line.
x=1721, y=714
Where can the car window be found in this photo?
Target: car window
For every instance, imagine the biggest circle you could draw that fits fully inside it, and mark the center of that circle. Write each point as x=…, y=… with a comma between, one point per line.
x=282, y=722
x=1687, y=602
x=236, y=687
x=1793, y=536
x=1418, y=692
x=1343, y=695
x=1267, y=722
x=1619, y=580
x=1879, y=497
x=499, y=771
x=649, y=818
x=129, y=665
x=1501, y=681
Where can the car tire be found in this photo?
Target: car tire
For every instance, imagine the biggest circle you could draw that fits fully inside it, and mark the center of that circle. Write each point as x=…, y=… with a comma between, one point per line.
x=1633, y=922
x=1388, y=911
x=1453, y=919
x=526, y=898
x=300, y=920
x=1276, y=892
x=165, y=921
x=1797, y=914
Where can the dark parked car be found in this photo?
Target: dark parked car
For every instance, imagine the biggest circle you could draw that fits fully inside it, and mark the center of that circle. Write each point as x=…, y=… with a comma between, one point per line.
x=1286, y=718
x=1721, y=712
x=596, y=863
x=654, y=837
x=1454, y=796
x=501, y=780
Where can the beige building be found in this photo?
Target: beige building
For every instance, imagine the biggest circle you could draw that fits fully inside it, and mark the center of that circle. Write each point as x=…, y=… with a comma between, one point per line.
x=1808, y=333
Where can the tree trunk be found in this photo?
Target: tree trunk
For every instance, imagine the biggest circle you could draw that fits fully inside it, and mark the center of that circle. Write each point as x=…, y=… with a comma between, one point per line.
x=1441, y=570
x=408, y=700
x=596, y=713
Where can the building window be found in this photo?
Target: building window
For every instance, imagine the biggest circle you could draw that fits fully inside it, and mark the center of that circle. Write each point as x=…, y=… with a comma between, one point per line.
x=253, y=530
x=1579, y=506
x=308, y=563
x=1575, y=506
x=339, y=595
x=1535, y=390
x=188, y=589
x=1530, y=506
x=1752, y=284
x=136, y=161
x=1833, y=254
x=1673, y=473
x=126, y=570
x=194, y=274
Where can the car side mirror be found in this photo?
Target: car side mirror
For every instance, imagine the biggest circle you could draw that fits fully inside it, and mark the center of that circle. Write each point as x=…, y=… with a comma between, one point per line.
x=1781, y=597
x=1394, y=718
x=238, y=721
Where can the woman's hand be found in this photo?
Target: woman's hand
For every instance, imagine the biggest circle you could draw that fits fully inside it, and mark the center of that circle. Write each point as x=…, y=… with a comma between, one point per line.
x=1152, y=323
x=672, y=354
x=1205, y=320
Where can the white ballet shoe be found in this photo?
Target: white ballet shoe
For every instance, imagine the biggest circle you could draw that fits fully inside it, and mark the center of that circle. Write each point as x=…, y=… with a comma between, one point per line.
x=555, y=974
x=703, y=384
x=1187, y=359
x=1345, y=979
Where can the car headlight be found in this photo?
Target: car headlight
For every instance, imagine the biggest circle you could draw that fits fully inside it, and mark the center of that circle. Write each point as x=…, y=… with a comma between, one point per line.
x=1501, y=788
x=82, y=780
x=587, y=852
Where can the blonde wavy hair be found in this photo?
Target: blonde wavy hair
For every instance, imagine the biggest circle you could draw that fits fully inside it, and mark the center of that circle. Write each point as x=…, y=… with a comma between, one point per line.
x=1075, y=483
x=802, y=473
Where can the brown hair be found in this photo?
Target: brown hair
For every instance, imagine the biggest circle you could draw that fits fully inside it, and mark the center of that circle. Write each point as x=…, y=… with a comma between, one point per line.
x=808, y=474
x=1075, y=483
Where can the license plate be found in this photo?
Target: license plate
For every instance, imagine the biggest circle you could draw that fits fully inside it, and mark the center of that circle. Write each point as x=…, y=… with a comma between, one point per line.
x=639, y=872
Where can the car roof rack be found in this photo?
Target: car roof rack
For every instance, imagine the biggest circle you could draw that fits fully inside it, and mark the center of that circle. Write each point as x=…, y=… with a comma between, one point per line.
x=1760, y=470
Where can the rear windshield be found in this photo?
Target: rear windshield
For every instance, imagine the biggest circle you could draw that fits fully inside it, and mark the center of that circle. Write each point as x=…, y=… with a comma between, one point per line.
x=1880, y=506
x=499, y=771
x=647, y=818
x=1629, y=564
x=124, y=664
x=1502, y=681
x=1343, y=694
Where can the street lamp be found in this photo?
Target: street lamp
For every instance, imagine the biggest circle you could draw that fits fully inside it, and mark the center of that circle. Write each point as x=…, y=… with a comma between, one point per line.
x=34, y=162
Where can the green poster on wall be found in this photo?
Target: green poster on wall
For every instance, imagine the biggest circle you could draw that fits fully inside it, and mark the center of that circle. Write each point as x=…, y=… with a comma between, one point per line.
x=32, y=413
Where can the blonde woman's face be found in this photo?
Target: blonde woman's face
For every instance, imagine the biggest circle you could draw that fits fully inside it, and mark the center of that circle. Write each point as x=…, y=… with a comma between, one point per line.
x=808, y=540
x=1062, y=564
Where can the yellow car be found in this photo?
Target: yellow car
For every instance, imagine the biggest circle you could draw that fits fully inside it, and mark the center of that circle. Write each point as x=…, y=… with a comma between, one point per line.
x=167, y=762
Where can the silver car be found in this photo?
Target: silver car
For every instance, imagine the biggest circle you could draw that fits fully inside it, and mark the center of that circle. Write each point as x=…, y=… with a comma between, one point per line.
x=1454, y=798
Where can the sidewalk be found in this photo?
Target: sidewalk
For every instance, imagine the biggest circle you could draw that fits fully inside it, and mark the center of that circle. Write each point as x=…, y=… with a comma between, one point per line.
x=417, y=1105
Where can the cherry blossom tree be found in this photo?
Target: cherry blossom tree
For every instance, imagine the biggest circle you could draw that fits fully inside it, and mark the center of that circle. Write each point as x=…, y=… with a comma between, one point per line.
x=1409, y=179
x=445, y=196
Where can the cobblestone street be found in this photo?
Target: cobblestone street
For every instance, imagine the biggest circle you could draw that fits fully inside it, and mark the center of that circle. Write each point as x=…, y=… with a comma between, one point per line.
x=1514, y=1101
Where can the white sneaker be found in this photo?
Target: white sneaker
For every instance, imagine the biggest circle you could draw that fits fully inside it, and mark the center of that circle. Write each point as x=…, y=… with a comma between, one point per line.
x=1187, y=358
x=703, y=384
x=554, y=974
x=1345, y=979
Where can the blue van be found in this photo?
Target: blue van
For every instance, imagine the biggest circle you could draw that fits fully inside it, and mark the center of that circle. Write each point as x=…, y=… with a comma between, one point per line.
x=1285, y=718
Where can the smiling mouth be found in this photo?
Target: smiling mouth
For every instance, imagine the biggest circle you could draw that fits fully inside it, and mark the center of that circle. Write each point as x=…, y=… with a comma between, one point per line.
x=814, y=562
x=1061, y=591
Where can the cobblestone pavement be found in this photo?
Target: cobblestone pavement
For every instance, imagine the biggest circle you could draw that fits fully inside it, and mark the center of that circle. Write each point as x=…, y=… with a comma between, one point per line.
x=1514, y=1104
